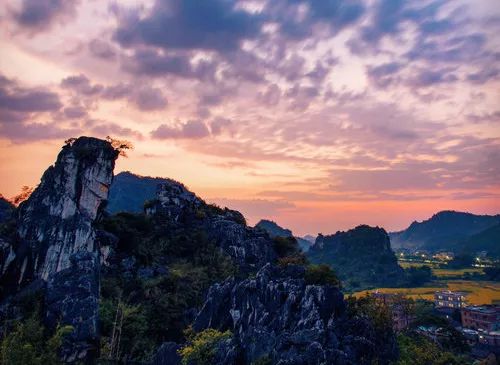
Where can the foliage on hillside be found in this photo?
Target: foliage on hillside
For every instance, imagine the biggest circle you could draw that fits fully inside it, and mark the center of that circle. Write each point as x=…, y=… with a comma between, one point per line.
x=170, y=270
x=201, y=347
x=30, y=344
x=415, y=349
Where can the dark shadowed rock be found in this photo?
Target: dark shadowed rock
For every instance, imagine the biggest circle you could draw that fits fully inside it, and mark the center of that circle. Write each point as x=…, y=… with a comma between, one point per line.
x=6, y=209
x=167, y=354
x=73, y=299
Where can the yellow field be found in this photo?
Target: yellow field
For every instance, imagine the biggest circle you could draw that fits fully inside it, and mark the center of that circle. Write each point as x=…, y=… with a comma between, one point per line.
x=406, y=264
x=479, y=292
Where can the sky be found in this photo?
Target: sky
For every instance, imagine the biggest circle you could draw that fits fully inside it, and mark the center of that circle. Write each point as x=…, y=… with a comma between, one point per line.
x=318, y=114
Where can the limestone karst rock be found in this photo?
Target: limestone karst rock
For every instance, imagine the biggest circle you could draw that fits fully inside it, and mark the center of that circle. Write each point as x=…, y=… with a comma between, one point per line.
x=56, y=221
x=279, y=317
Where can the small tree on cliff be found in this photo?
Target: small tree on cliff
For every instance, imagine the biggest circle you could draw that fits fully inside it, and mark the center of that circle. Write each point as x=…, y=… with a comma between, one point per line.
x=25, y=193
x=120, y=145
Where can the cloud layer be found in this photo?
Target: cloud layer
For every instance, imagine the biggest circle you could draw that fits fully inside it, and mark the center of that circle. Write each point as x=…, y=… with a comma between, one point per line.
x=300, y=102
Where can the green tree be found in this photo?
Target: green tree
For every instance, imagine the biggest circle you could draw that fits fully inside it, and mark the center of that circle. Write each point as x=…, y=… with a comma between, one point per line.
x=202, y=347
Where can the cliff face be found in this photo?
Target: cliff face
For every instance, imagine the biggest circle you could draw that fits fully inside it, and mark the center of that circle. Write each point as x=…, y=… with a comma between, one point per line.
x=56, y=221
x=362, y=257
x=54, y=250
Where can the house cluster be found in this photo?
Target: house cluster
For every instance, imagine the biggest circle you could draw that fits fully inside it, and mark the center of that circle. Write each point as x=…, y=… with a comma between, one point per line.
x=480, y=325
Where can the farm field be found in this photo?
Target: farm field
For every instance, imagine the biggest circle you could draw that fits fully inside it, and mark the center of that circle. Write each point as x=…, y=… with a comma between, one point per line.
x=479, y=292
x=407, y=264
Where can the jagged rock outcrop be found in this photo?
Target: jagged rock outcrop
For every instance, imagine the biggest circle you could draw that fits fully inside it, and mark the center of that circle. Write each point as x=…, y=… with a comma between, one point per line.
x=277, y=316
x=56, y=221
x=175, y=204
x=249, y=249
x=362, y=257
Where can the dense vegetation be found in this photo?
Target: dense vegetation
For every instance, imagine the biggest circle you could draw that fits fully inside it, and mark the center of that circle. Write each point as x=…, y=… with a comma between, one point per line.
x=415, y=349
x=159, y=273
x=30, y=344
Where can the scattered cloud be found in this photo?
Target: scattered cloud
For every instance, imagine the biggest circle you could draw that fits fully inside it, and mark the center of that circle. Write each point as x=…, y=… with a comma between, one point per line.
x=41, y=14
x=192, y=129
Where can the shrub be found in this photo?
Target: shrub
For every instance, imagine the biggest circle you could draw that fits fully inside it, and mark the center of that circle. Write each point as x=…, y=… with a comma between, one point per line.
x=321, y=275
x=202, y=348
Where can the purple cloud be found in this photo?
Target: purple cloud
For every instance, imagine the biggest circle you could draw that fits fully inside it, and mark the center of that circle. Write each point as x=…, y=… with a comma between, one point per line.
x=15, y=98
x=149, y=99
x=189, y=24
x=193, y=129
x=41, y=14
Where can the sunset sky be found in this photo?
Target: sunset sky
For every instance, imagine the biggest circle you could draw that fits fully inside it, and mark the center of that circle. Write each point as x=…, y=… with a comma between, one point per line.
x=321, y=115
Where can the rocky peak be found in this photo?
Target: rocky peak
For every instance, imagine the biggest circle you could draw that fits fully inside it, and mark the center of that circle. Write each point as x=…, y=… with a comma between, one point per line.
x=173, y=199
x=56, y=220
x=362, y=257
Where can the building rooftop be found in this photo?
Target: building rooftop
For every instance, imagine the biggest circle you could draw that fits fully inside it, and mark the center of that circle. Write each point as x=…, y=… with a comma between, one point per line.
x=449, y=292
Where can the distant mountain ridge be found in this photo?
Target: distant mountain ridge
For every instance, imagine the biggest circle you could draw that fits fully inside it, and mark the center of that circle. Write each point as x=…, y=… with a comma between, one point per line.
x=487, y=240
x=445, y=230
x=274, y=230
x=129, y=191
